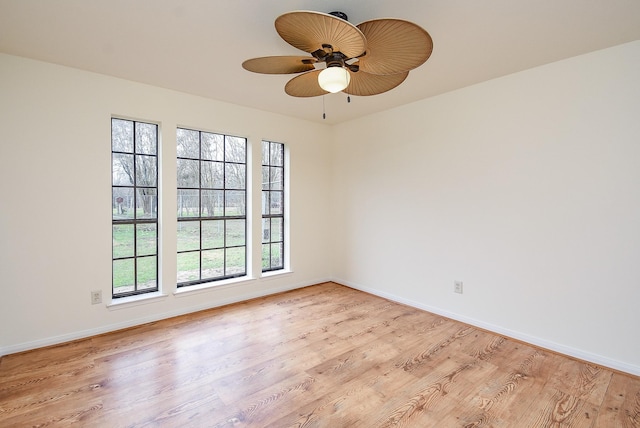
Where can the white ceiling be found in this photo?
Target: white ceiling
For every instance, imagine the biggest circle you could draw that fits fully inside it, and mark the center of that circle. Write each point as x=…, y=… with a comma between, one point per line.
x=198, y=46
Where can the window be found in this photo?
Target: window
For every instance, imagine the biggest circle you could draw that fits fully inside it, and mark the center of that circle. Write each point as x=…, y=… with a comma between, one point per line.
x=272, y=206
x=212, y=196
x=134, y=193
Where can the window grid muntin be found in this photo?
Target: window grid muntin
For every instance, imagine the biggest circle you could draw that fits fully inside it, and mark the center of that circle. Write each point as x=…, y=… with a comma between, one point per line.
x=268, y=190
x=135, y=220
x=212, y=216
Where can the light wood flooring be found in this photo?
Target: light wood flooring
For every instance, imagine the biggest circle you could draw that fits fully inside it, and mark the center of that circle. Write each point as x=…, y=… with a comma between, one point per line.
x=322, y=356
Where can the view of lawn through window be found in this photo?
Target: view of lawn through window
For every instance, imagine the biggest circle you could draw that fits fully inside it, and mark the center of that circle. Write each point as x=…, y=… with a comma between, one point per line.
x=211, y=206
x=272, y=206
x=134, y=205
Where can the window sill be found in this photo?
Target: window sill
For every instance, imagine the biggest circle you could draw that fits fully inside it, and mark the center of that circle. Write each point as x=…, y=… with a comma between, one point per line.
x=208, y=286
x=276, y=273
x=142, y=299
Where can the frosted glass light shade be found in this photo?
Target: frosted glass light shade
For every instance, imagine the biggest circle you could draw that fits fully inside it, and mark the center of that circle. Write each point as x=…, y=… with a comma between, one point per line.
x=334, y=79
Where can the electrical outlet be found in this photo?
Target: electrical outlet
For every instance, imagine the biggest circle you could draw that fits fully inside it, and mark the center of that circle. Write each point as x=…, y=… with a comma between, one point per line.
x=96, y=297
x=457, y=287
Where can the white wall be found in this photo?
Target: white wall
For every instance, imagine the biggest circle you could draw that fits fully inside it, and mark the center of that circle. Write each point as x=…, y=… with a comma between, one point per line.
x=526, y=188
x=55, y=173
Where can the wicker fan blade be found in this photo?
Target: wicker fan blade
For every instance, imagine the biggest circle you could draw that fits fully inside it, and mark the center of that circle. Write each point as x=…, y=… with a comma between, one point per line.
x=363, y=83
x=279, y=64
x=305, y=85
x=394, y=46
x=310, y=30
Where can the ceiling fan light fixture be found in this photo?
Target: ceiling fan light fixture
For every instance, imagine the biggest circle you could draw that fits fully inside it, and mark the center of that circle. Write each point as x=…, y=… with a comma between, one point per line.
x=334, y=79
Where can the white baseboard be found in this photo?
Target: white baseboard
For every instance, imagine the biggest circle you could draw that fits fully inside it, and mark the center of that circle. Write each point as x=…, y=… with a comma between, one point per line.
x=536, y=341
x=83, y=334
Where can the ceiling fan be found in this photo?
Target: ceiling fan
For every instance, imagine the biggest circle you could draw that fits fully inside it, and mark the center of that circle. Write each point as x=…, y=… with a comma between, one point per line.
x=365, y=59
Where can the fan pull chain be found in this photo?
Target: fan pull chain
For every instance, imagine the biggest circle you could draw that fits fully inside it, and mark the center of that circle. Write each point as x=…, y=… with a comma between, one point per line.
x=324, y=115
x=324, y=112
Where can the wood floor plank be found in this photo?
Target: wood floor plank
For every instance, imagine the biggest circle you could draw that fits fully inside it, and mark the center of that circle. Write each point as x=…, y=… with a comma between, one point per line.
x=553, y=408
x=429, y=399
x=271, y=369
x=374, y=392
x=512, y=389
x=320, y=356
x=266, y=405
x=621, y=404
x=582, y=380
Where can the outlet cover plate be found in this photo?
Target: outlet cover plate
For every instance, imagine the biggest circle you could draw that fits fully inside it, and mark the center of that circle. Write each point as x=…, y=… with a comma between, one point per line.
x=96, y=297
x=457, y=287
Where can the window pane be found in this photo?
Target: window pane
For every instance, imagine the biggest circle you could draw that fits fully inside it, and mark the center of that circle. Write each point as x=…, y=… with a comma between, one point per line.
x=122, y=203
x=147, y=202
x=235, y=261
x=188, y=203
x=146, y=138
x=234, y=203
x=146, y=170
x=147, y=239
x=212, y=175
x=188, y=267
x=188, y=173
x=266, y=229
x=276, y=180
x=275, y=204
x=212, y=146
x=265, y=178
x=212, y=263
x=234, y=149
x=266, y=256
x=276, y=229
x=277, y=154
x=212, y=203
x=121, y=135
x=123, y=276
x=235, y=233
x=276, y=255
x=188, y=235
x=122, y=169
x=265, y=152
x=123, y=241
x=212, y=234
x=188, y=145
x=265, y=203
x=147, y=272
x=235, y=176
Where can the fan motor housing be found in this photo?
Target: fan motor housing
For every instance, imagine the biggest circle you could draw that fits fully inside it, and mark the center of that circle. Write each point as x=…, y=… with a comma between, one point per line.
x=340, y=15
